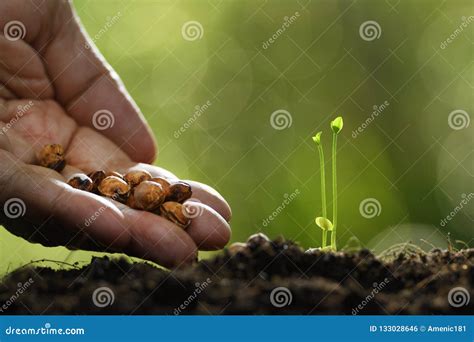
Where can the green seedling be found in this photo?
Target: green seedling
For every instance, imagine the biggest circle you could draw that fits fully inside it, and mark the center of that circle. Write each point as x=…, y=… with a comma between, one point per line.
x=323, y=222
x=336, y=126
x=326, y=226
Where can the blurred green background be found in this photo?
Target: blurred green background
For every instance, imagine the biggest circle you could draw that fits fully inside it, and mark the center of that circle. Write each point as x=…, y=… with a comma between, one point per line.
x=209, y=74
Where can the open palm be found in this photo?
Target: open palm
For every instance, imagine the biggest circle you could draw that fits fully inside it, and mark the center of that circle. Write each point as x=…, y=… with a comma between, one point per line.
x=55, y=89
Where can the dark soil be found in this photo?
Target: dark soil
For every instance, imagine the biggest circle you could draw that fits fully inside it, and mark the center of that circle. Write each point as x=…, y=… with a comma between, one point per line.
x=318, y=283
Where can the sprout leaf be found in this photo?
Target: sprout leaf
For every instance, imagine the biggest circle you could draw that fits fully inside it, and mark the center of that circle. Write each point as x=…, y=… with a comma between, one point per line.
x=324, y=223
x=317, y=138
x=337, y=124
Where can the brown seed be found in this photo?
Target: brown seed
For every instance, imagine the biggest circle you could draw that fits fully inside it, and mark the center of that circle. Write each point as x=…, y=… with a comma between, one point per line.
x=179, y=192
x=256, y=240
x=136, y=177
x=115, y=188
x=114, y=173
x=81, y=181
x=52, y=157
x=174, y=212
x=237, y=247
x=146, y=196
x=97, y=177
x=164, y=184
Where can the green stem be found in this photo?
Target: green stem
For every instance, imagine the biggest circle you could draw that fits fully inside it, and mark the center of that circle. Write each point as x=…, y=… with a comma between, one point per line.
x=323, y=191
x=334, y=191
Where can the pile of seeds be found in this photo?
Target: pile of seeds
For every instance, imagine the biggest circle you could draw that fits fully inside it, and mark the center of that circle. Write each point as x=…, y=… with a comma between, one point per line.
x=138, y=188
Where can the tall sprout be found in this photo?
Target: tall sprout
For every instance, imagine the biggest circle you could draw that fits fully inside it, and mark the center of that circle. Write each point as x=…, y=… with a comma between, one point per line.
x=336, y=126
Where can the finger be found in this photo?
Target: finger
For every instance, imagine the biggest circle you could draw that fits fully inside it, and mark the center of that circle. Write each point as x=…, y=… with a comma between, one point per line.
x=53, y=213
x=212, y=198
x=155, y=171
x=208, y=229
x=201, y=192
x=155, y=238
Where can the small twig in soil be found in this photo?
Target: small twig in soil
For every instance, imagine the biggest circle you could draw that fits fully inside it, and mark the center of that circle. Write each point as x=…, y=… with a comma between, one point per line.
x=48, y=260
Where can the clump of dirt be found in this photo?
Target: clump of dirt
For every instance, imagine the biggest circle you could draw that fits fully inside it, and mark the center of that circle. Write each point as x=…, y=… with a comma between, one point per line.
x=264, y=277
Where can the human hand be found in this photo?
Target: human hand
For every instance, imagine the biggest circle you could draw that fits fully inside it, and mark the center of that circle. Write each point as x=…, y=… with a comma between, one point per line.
x=51, y=86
